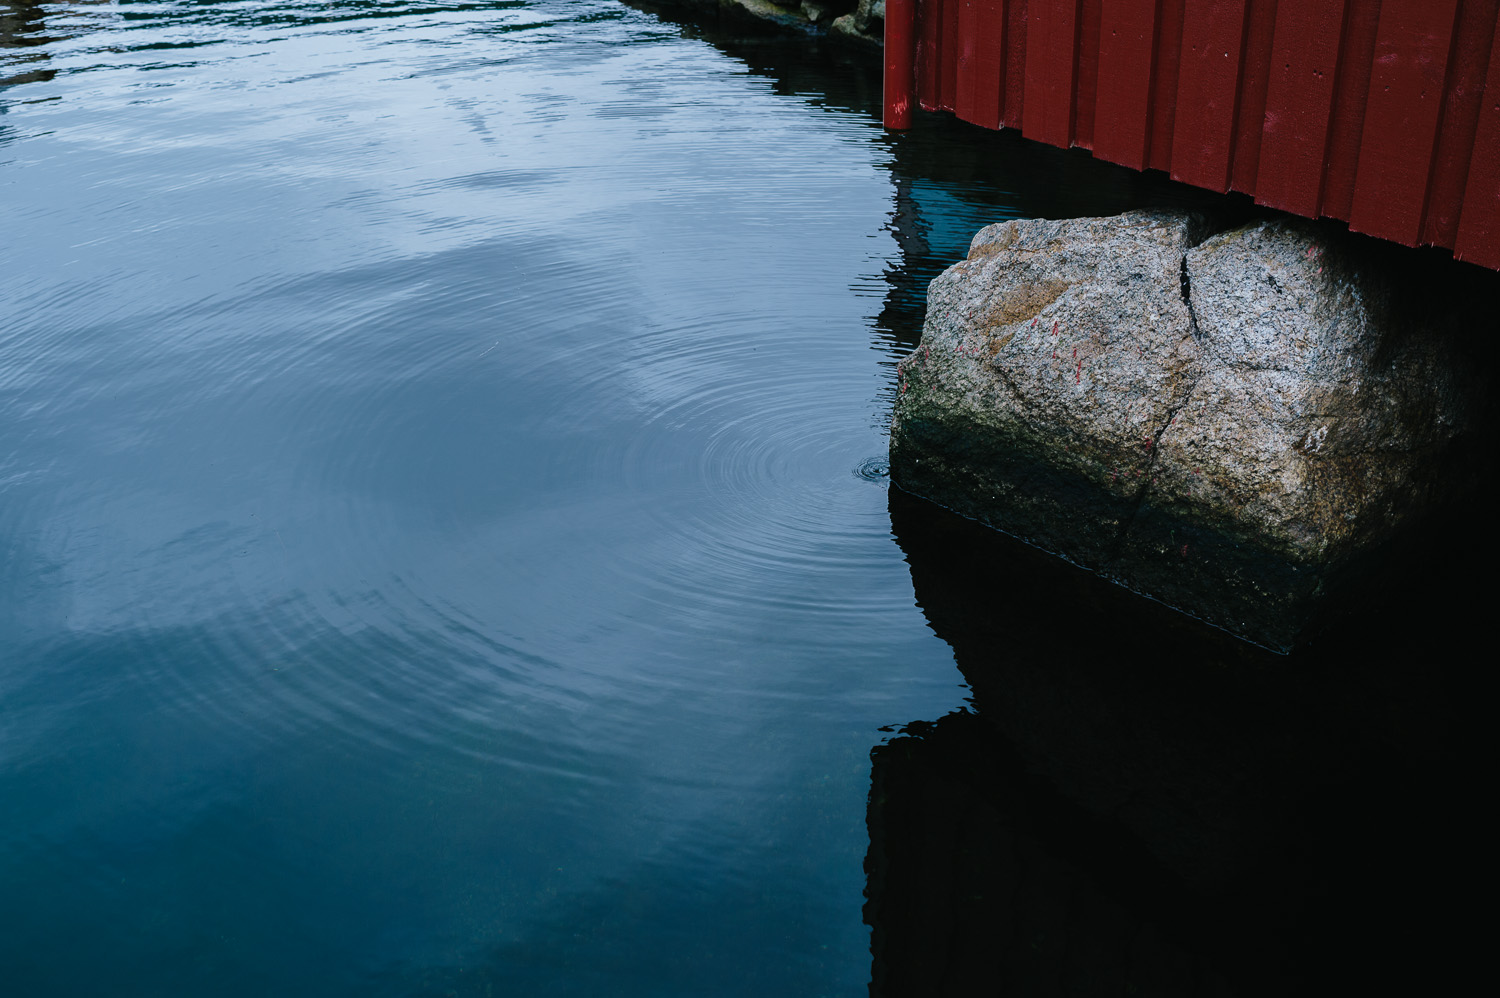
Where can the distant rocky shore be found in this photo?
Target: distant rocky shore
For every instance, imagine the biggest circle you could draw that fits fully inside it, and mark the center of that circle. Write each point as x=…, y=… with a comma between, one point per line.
x=861, y=22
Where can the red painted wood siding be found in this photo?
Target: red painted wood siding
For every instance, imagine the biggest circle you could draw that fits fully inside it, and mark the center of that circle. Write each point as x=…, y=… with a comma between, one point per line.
x=1383, y=113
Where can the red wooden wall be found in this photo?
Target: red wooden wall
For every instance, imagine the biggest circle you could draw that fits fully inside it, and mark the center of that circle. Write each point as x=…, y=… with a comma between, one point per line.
x=1384, y=113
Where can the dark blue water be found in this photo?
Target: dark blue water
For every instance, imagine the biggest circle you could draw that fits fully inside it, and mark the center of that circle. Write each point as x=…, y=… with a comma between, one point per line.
x=444, y=542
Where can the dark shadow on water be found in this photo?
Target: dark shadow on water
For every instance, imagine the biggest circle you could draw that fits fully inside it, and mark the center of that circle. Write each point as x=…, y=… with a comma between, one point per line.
x=1135, y=804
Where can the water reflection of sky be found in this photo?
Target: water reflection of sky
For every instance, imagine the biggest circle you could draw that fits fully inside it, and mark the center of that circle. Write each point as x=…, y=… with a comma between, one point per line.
x=435, y=558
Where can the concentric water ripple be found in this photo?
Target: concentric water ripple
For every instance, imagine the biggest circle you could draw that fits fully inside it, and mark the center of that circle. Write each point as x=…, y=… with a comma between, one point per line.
x=874, y=469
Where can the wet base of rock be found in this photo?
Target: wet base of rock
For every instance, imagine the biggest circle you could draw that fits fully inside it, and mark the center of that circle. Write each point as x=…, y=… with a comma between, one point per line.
x=1221, y=580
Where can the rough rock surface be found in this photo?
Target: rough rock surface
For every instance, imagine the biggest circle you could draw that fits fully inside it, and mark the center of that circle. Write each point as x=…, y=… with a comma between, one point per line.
x=1223, y=422
x=866, y=23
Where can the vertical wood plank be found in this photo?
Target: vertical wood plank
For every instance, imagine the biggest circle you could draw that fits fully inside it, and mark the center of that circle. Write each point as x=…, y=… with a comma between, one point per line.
x=1479, y=224
x=1051, y=71
x=948, y=41
x=899, y=87
x=929, y=54
x=1351, y=90
x=1299, y=102
x=1167, y=62
x=965, y=56
x=1016, y=41
x=1086, y=87
x=1401, y=118
x=1255, y=73
x=1122, y=109
x=981, y=66
x=1208, y=90
x=1463, y=97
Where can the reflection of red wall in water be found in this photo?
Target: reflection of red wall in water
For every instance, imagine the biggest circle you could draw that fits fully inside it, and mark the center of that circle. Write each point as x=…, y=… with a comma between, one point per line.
x=1384, y=113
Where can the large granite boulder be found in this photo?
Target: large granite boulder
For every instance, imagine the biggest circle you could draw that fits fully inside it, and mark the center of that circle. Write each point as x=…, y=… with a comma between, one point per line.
x=1229, y=423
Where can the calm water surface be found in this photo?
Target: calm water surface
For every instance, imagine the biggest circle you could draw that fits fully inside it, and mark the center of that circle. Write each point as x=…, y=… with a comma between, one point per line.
x=444, y=545
x=433, y=536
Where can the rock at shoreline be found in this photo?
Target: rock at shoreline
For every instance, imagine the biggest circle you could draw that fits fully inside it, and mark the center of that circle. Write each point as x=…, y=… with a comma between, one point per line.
x=1227, y=422
x=858, y=21
x=866, y=23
